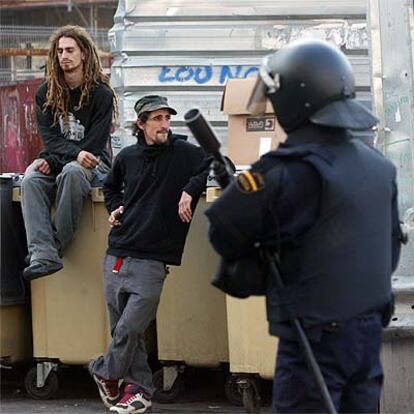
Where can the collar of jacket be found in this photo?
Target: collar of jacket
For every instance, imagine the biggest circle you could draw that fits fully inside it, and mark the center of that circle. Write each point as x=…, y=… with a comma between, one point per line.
x=152, y=151
x=315, y=134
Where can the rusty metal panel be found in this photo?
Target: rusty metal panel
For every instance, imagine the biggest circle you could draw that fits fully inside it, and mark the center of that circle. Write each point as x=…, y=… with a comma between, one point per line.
x=19, y=139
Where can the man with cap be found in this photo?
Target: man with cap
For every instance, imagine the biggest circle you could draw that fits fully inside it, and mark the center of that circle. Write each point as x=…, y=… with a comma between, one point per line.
x=325, y=204
x=151, y=193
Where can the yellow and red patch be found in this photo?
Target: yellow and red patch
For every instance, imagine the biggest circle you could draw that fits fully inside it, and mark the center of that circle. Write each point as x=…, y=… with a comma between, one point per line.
x=250, y=181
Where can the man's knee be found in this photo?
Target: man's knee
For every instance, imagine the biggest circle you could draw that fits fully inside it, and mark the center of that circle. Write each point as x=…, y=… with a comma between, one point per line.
x=129, y=330
x=148, y=305
x=74, y=172
x=138, y=315
x=72, y=169
x=28, y=179
x=34, y=178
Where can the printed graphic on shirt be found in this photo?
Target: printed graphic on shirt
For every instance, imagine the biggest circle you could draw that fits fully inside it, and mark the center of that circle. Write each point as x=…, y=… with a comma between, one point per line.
x=72, y=128
x=250, y=182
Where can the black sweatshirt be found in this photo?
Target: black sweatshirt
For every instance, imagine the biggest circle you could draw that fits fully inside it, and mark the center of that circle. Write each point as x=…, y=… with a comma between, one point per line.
x=88, y=127
x=148, y=181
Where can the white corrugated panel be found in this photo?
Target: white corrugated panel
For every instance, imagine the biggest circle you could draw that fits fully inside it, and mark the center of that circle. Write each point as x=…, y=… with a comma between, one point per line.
x=187, y=50
x=230, y=8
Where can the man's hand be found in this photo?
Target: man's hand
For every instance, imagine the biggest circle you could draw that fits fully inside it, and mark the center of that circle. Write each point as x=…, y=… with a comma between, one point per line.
x=43, y=166
x=115, y=215
x=87, y=159
x=184, y=207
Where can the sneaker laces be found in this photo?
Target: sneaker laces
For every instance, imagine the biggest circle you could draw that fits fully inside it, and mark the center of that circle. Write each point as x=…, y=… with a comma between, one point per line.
x=130, y=399
x=129, y=395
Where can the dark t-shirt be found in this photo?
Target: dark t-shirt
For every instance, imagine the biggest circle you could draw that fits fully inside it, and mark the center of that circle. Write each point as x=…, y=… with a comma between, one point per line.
x=86, y=128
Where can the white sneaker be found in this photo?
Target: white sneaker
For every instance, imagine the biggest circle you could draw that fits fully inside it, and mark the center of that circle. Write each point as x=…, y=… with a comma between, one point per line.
x=132, y=402
x=108, y=390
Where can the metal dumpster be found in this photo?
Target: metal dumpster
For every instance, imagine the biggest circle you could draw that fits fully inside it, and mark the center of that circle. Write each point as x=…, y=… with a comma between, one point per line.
x=15, y=335
x=252, y=350
x=15, y=329
x=69, y=318
x=191, y=319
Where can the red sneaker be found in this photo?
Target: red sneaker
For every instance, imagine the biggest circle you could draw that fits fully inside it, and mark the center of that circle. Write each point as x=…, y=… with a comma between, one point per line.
x=108, y=390
x=133, y=401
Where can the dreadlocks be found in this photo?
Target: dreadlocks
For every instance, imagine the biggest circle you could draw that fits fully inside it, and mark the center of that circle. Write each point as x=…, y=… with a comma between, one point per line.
x=57, y=98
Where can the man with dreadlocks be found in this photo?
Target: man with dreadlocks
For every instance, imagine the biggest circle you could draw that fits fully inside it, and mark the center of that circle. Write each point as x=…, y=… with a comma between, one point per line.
x=74, y=109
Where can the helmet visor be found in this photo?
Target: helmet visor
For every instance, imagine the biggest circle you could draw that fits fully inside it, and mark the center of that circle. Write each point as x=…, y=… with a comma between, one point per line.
x=266, y=83
x=258, y=98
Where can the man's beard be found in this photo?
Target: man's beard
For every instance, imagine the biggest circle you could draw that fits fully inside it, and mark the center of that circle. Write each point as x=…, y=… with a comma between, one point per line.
x=70, y=69
x=161, y=137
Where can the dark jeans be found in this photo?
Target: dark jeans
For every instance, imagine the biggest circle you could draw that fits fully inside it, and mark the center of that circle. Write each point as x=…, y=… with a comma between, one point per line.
x=349, y=358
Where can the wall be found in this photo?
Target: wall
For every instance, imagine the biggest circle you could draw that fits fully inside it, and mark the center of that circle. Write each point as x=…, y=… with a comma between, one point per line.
x=187, y=50
x=392, y=51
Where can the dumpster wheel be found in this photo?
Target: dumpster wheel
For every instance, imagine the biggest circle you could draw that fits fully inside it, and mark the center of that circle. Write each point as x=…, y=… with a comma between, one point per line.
x=167, y=396
x=46, y=392
x=233, y=391
x=246, y=388
x=251, y=398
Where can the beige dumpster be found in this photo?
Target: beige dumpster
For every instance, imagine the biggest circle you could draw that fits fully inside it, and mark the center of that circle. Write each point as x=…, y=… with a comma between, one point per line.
x=191, y=319
x=69, y=317
x=15, y=334
x=252, y=350
x=68, y=308
x=69, y=320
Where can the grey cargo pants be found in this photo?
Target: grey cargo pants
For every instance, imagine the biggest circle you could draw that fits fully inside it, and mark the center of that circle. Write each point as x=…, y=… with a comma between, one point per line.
x=132, y=297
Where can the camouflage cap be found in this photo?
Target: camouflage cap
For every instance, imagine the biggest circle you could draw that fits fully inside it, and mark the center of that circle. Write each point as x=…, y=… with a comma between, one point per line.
x=151, y=103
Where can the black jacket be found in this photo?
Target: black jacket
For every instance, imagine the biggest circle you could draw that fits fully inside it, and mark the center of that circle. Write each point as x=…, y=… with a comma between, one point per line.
x=88, y=128
x=328, y=204
x=148, y=181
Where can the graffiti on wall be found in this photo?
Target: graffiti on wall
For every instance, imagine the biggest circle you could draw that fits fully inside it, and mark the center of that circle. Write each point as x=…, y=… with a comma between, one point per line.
x=202, y=75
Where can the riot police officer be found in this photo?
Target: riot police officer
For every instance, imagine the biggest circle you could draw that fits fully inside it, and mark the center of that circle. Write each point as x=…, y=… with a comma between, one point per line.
x=326, y=203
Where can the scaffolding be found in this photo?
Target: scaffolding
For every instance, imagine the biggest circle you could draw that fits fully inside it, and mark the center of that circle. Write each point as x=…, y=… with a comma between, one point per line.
x=16, y=4
x=23, y=50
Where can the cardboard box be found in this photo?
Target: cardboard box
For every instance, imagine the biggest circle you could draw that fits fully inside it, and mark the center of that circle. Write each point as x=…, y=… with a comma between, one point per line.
x=249, y=137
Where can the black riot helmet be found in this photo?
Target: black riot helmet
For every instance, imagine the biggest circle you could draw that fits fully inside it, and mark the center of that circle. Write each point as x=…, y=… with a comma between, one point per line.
x=310, y=80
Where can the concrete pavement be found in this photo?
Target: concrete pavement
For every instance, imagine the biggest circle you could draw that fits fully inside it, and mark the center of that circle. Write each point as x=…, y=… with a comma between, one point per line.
x=78, y=395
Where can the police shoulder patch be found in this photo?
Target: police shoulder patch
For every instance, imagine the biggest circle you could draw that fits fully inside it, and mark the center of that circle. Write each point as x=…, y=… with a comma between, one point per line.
x=250, y=181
